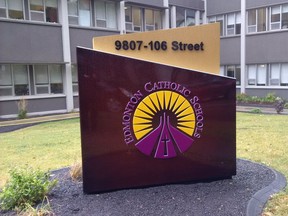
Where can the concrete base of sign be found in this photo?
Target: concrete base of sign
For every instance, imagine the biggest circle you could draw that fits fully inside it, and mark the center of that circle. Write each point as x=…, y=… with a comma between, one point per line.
x=144, y=123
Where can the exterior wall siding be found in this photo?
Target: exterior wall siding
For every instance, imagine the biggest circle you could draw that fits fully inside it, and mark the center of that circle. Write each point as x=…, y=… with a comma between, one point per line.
x=262, y=92
x=30, y=43
x=215, y=7
x=34, y=105
x=153, y=3
x=267, y=47
x=198, y=4
x=230, y=50
x=262, y=3
x=83, y=37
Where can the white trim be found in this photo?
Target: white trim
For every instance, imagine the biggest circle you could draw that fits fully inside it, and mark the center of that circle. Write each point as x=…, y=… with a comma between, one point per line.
x=121, y=22
x=173, y=16
x=243, y=47
x=165, y=16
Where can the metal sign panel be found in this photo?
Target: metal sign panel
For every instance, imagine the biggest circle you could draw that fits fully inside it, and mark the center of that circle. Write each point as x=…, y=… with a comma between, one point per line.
x=145, y=123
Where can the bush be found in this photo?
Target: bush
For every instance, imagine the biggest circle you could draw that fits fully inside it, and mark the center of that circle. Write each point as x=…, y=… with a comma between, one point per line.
x=279, y=105
x=25, y=187
x=22, y=108
x=270, y=98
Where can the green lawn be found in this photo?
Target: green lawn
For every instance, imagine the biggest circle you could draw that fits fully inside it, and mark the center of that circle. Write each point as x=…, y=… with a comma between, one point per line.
x=260, y=138
x=46, y=146
x=264, y=139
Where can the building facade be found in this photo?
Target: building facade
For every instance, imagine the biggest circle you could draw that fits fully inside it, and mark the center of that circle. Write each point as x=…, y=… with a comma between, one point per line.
x=38, y=40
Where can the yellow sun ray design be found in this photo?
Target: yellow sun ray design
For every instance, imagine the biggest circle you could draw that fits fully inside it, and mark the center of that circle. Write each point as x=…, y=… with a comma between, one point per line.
x=161, y=101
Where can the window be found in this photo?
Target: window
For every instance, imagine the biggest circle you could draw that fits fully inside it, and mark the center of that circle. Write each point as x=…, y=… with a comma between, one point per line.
x=262, y=75
x=12, y=9
x=74, y=78
x=275, y=17
x=284, y=75
x=18, y=79
x=252, y=17
x=261, y=20
x=235, y=72
x=219, y=19
x=279, y=74
x=230, y=24
x=21, y=77
x=152, y=20
x=105, y=14
x=274, y=74
x=41, y=79
x=284, y=23
x=257, y=20
x=79, y=12
x=44, y=10
x=257, y=75
x=133, y=18
x=252, y=74
x=142, y=19
x=185, y=17
x=56, y=81
x=6, y=85
x=233, y=24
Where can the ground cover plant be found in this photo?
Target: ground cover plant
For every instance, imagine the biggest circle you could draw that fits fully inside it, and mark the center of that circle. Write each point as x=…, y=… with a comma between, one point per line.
x=260, y=138
x=25, y=188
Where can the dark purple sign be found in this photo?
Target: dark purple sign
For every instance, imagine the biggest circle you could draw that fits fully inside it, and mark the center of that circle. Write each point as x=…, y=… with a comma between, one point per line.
x=145, y=124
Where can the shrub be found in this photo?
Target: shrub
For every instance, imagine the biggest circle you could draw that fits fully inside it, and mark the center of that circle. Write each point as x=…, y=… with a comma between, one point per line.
x=270, y=98
x=279, y=105
x=25, y=187
x=244, y=98
x=22, y=108
x=76, y=171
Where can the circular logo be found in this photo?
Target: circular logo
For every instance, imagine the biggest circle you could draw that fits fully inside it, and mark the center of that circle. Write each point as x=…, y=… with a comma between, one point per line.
x=163, y=124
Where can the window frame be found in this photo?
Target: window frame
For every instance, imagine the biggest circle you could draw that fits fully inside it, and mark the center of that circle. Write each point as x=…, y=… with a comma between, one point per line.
x=106, y=12
x=7, y=9
x=185, y=16
x=78, y=15
x=143, y=26
x=270, y=18
x=236, y=75
x=44, y=12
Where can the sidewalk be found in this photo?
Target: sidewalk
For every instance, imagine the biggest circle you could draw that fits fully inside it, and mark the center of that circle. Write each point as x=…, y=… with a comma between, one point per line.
x=39, y=119
x=261, y=109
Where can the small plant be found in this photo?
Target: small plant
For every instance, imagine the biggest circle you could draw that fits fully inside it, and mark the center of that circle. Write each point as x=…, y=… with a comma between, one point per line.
x=76, y=171
x=22, y=108
x=270, y=98
x=257, y=110
x=26, y=187
x=279, y=105
x=43, y=209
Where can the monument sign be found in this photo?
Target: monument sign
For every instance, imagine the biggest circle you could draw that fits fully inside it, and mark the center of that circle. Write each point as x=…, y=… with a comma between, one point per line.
x=147, y=122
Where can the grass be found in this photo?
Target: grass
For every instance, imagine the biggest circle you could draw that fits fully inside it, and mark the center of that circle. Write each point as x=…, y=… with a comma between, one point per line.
x=45, y=146
x=264, y=139
x=260, y=138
